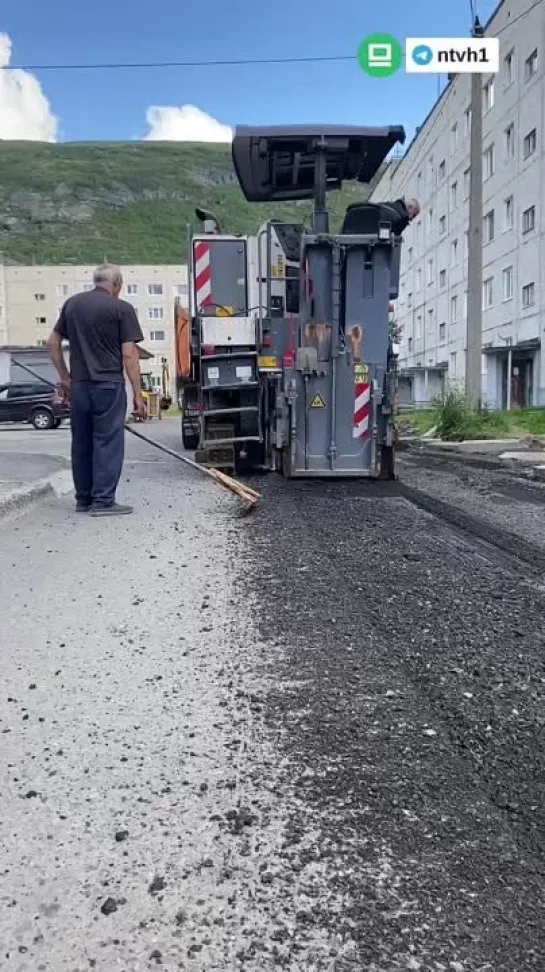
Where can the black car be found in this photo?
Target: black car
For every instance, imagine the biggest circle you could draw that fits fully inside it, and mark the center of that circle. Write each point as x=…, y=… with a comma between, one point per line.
x=37, y=404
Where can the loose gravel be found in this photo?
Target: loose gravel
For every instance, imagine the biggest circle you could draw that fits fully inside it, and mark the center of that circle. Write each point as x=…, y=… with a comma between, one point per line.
x=310, y=740
x=406, y=693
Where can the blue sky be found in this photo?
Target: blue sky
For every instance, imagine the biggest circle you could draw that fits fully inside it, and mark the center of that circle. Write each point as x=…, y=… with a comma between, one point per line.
x=113, y=104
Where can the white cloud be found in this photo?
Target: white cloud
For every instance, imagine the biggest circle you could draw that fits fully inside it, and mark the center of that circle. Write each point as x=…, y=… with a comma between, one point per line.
x=25, y=112
x=185, y=124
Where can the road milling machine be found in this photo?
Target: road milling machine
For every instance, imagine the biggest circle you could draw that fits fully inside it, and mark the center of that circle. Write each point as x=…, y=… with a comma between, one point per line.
x=285, y=360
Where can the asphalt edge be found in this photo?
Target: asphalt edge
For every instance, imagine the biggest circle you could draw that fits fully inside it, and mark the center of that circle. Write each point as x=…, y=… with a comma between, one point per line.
x=57, y=484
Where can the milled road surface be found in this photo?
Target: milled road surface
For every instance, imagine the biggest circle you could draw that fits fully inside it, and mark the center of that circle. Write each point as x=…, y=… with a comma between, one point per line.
x=311, y=739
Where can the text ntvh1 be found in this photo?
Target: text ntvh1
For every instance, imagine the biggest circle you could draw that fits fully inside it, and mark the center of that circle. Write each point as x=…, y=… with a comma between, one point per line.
x=452, y=55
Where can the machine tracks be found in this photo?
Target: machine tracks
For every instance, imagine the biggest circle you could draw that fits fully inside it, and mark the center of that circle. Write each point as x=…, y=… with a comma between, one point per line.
x=495, y=544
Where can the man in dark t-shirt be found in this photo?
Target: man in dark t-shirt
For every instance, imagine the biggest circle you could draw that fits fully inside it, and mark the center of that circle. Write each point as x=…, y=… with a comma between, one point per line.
x=102, y=332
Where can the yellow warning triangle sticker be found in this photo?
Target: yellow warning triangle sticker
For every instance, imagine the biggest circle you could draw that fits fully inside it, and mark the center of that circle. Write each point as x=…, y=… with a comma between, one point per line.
x=317, y=402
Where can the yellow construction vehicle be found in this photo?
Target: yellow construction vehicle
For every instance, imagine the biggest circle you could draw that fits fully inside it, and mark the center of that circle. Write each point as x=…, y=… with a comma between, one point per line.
x=149, y=387
x=166, y=397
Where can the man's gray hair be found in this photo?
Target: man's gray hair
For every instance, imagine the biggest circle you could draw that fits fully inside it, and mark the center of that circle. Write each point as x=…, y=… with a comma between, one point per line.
x=108, y=273
x=413, y=203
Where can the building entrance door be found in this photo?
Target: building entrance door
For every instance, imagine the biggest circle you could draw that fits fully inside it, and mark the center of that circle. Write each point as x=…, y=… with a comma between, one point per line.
x=522, y=381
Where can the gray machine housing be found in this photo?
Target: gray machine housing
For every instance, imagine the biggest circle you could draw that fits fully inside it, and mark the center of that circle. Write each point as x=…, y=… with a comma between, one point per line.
x=308, y=385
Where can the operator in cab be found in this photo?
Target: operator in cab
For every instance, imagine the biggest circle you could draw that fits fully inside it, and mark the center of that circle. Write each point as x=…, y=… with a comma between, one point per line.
x=399, y=212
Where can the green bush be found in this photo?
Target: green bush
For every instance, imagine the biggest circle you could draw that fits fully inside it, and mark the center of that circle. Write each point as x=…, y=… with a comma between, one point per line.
x=458, y=421
x=452, y=415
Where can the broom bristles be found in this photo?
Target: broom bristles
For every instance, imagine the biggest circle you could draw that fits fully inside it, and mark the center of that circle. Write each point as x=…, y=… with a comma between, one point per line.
x=244, y=492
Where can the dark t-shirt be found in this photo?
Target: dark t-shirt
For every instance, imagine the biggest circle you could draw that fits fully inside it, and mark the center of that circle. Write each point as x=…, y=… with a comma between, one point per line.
x=96, y=325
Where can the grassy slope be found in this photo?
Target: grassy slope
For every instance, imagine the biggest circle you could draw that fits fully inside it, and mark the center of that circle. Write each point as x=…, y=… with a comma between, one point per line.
x=129, y=201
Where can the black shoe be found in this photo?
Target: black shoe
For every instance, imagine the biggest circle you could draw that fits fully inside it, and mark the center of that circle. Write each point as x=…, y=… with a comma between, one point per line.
x=116, y=509
x=83, y=507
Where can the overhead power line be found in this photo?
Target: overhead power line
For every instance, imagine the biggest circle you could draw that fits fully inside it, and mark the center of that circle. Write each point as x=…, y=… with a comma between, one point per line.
x=240, y=62
x=174, y=64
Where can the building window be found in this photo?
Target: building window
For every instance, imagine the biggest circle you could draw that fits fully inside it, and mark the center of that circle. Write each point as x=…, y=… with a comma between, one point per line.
x=466, y=184
x=157, y=335
x=508, y=67
x=419, y=184
x=530, y=144
x=430, y=272
x=132, y=289
x=442, y=279
x=443, y=225
x=453, y=310
x=489, y=162
x=453, y=196
x=418, y=285
x=529, y=220
x=430, y=321
x=39, y=296
x=155, y=313
x=530, y=65
x=454, y=251
x=180, y=290
x=508, y=283
x=410, y=344
x=410, y=254
x=155, y=289
x=488, y=292
x=510, y=141
x=528, y=295
x=488, y=95
x=489, y=227
x=442, y=332
x=442, y=169
x=430, y=219
x=454, y=134
x=418, y=230
x=508, y=210
x=61, y=290
x=40, y=320
x=418, y=326
x=467, y=121
x=409, y=299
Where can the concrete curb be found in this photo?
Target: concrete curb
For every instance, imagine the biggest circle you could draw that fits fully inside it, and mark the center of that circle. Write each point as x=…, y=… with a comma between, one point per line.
x=525, y=466
x=20, y=497
x=476, y=447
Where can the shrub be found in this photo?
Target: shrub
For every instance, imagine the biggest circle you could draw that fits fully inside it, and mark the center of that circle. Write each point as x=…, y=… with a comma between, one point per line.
x=452, y=415
x=457, y=420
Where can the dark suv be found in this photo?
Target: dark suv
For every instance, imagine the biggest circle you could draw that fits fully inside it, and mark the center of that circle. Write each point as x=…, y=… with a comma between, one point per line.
x=37, y=404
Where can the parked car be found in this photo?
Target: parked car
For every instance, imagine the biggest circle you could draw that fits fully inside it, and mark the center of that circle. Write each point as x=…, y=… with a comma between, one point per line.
x=37, y=404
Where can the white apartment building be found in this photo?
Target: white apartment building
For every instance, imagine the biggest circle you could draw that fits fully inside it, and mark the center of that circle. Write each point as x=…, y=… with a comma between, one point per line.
x=432, y=304
x=32, y=296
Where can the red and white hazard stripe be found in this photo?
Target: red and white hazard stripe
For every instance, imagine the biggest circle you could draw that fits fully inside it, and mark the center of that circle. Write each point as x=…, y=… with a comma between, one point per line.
x=362, y=409
x=203, y=274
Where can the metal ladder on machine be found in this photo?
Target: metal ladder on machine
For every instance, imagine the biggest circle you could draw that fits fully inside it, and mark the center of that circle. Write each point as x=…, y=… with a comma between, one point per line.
x=219, y=439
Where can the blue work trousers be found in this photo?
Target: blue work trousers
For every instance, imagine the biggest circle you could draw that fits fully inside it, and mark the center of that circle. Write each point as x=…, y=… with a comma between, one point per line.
x=97, y=413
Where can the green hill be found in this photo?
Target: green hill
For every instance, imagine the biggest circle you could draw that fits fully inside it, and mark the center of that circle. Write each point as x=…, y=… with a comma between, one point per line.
x=128, y=201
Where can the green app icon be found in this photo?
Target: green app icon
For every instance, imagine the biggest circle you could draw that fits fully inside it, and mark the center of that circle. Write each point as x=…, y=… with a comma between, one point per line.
x=380, y=55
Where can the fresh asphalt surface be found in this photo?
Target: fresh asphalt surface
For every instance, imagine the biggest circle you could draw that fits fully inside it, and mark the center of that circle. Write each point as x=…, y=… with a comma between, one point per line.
x=310, y=739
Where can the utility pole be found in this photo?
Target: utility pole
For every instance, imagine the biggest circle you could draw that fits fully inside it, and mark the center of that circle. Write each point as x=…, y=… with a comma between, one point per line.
x=509, y=370
x=474, y=248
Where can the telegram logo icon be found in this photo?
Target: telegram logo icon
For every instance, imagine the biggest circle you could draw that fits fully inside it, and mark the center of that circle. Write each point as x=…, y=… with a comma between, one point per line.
x=422, y=54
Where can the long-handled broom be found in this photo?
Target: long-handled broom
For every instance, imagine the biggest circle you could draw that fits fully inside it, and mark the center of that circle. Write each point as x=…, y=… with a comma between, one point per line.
x=249, y=496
